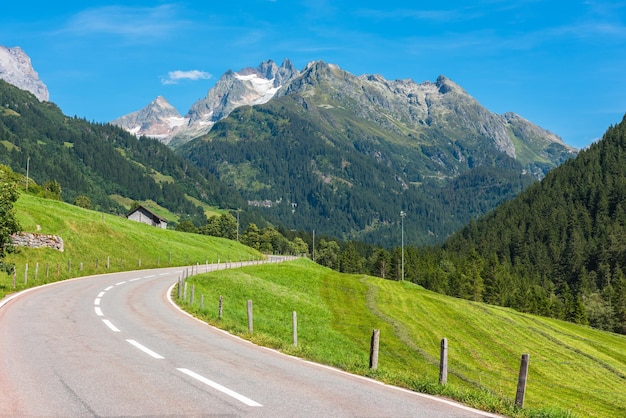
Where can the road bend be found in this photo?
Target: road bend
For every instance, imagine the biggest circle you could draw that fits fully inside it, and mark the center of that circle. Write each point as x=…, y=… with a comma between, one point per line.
x=115, y=345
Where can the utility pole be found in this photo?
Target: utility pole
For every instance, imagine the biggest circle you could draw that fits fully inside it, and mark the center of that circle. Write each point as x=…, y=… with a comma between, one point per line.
x=402, y=215
x=238, y=210
x=27, y=170
x=314, y=245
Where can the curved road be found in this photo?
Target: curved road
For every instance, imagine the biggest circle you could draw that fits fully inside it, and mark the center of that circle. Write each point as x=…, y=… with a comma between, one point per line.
x=115, y=345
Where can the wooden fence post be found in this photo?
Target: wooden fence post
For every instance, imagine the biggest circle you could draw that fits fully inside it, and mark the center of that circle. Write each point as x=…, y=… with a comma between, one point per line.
x=521, y=383
x=180, y=287
x=69, y=264
x=443, y=362
x=202, y=302
x=193, y=294
x=108, y=262
x=36, y=271
x=295, y=328
x=219, y=313
x=26, y=273
x=374, y=349
x=250, y=321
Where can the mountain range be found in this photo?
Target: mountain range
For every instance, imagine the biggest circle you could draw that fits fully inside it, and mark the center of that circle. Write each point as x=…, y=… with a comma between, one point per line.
x=344, y=154
x=400, y=106
x=322, y=149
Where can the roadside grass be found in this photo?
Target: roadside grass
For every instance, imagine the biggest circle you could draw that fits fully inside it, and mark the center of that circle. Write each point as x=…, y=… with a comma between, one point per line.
x=574, y=370
x=92, y=238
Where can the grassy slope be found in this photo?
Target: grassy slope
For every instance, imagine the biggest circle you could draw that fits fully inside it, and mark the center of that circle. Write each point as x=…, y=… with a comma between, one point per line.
x=573, y=369
x=89, y=236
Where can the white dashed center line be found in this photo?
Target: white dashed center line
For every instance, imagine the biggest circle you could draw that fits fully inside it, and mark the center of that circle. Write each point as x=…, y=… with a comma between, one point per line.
x=110, y=325
x=155, y=355
x=219, y=387
x=145, y=349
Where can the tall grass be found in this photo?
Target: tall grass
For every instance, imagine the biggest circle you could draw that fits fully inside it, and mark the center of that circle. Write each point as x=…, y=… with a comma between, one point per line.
x=92, y=238
x=574, y=370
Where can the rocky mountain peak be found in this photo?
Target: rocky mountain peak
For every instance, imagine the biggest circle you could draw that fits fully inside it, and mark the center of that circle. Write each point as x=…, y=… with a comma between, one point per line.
x=159, y=119
x=445, y=85
x=16, y=68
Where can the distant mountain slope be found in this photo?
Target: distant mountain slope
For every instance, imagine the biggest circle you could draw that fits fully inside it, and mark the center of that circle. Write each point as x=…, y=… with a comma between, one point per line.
x=564, y=239
x=98, y=160
x=344, y=155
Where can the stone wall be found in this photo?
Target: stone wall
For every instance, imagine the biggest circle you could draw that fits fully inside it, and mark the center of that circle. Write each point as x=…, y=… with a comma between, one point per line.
x=29, y=239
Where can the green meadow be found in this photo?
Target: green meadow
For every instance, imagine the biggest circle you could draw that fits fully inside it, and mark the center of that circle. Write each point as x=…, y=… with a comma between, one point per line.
x=93, y=239
x=574, y=370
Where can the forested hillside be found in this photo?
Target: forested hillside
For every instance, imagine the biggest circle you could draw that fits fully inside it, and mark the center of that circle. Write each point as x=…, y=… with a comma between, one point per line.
x=99, y=160
x=559, y=248
x=309, y=168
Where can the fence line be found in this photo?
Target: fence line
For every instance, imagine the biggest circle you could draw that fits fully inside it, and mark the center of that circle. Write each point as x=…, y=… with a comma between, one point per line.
x=374, y=346
x=31, y=276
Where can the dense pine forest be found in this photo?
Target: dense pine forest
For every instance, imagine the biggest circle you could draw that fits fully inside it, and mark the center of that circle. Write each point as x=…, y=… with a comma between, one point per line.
x=564, y=239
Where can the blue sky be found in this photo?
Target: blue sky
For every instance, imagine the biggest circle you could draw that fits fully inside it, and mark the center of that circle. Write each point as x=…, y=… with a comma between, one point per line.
x=560, y=64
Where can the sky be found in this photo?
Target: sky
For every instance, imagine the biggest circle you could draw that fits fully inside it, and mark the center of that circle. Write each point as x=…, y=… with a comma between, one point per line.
x=559, y=64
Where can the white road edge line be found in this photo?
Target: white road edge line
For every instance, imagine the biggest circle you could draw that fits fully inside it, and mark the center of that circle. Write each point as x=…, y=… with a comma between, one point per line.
x=134, y=280
x=110, y=325
x=101, y=294
x=99, y=311
x=106, y=289
x=120, y=283
x=96, y=301
x=219, y=387
x=145, y=349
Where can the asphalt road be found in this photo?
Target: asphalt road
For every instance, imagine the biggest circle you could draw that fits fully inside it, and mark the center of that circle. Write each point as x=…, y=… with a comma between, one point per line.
x=115, y=345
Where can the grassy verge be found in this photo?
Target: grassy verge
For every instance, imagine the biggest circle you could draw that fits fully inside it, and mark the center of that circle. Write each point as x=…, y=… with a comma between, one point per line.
x=574, y=370
x=92, y=239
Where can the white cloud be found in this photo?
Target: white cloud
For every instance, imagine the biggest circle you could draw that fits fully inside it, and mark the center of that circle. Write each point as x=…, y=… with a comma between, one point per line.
x=129, y=22
x=173, y=77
